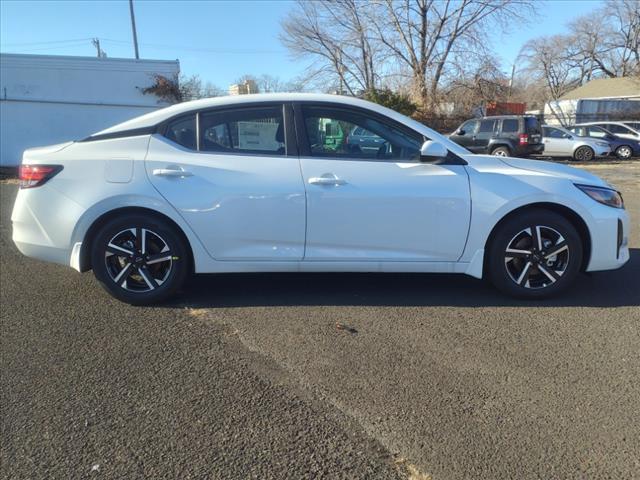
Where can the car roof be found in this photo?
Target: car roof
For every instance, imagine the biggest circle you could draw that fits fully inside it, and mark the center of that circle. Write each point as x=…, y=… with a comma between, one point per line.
x=158, y=116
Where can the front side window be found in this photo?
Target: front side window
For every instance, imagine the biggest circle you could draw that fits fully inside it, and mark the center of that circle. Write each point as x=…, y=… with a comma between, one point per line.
x=469, y=127
x=183, y=132
x=487, y=126
x=580, y=131
x=510, y=125
x=246, y=130
x=612, y=127
x=351, y=134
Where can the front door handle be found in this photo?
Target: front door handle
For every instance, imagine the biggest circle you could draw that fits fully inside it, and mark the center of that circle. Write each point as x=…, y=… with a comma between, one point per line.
x=327, y=179
x=171, y=172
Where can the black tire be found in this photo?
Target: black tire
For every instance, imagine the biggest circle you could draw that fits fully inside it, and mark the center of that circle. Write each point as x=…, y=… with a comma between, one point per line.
x=543, y=277
x=501, y=152
x=121, y=267
x=624, y=152
x=584, y=154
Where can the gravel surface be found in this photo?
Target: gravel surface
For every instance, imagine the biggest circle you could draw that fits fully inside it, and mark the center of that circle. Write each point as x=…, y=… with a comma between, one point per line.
x=321, y=375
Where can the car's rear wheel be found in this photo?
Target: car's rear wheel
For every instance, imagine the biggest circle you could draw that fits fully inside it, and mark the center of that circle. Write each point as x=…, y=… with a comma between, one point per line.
x=501, y=152
x=139, y=260
x=534, y=255
x=624, y=152
x=583, y=154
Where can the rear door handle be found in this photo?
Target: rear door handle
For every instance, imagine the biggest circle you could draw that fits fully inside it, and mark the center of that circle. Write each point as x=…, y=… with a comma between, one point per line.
x=171, y=172
x=327, y=179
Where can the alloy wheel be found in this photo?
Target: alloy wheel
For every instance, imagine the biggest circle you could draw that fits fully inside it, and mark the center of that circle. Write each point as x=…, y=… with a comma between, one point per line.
x=624, y=152
x=584, y=154
x=537, y=257
x=138, y=259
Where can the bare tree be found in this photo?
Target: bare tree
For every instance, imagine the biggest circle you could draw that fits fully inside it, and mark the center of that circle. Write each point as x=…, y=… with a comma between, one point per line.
x=336, y=35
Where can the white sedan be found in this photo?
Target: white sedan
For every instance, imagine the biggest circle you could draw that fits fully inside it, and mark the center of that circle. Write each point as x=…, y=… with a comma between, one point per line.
x=271, y=183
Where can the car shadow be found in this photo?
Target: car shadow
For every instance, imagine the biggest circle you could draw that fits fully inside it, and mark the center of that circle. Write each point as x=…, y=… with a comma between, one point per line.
x=601, y=289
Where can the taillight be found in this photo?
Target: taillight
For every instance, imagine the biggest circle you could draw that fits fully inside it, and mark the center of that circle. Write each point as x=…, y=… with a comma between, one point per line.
x=524, y=139
x=36, y=175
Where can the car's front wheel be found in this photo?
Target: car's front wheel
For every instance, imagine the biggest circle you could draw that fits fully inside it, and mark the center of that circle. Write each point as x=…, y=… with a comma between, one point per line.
x=534, y=255
x=139, y=259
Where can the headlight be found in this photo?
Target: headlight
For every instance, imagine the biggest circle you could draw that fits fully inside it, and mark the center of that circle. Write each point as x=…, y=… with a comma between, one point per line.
x=606, y=196
x=602, y=144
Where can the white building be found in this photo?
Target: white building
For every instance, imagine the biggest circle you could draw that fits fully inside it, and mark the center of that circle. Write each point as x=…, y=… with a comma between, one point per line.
x=600, y=99
x=47, y=99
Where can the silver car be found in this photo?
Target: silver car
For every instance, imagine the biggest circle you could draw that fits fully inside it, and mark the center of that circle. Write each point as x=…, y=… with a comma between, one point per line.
x=559, y=142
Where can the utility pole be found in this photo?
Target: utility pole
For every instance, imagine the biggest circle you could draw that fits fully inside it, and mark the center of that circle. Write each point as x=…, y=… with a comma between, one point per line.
x=96, y=43
x=133, y=28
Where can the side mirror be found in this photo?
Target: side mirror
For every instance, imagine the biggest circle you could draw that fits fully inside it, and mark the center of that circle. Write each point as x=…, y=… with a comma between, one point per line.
x=432, y=151
x=460, y=131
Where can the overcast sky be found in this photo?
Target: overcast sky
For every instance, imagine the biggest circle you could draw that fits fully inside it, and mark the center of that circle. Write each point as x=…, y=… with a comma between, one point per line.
x=218, y=40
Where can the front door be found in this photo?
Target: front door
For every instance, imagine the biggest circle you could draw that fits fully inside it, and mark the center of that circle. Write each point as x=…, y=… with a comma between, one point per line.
x=383, y=205
x=556, y=142
x=236, y=181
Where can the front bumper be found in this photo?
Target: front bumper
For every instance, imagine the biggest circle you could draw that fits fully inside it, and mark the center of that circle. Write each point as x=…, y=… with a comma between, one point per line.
x=609, y=239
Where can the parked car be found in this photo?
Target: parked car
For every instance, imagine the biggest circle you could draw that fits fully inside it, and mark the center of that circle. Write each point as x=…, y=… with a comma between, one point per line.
x=504, y=136
x=247, y=184
x=622, y=129
x=365, y=140
x=622, y=148
x=633, y=124
x=559, y=142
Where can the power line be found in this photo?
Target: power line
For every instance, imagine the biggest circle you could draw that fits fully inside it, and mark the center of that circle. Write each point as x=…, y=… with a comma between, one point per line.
x=198, y=49
x=46, y=43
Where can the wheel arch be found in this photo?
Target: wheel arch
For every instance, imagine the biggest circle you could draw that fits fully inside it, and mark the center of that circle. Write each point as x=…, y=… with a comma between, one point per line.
x=571, y=215
x=498, y=144
x=89, y=237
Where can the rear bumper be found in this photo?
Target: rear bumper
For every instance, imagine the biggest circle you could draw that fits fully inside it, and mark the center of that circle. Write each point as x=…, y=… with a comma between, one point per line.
x=43, y=220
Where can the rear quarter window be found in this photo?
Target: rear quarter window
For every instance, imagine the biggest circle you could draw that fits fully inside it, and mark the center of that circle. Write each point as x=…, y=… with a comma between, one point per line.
x=510, y=125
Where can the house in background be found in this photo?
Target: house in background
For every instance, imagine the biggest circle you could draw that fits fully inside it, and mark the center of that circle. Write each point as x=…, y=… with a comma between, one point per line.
x=600, y=99
x=47, y=99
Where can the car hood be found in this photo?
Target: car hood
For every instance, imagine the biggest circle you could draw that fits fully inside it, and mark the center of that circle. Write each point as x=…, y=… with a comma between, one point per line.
x=553, y=169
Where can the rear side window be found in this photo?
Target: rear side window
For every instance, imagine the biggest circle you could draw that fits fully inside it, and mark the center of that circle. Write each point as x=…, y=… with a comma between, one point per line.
x=553, y=133
x=596, y=132
x=487, y=126
x=247, y=130
x=510, y=125
x=183, y=132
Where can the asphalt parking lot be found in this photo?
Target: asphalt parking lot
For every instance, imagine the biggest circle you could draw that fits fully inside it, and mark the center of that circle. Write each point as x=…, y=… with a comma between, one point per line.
x=320, y=375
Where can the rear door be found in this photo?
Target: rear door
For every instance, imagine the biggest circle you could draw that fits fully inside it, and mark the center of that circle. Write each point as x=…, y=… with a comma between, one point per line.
x=234, y=176
x=485, y=133
x=378, y=206
x=555, y=142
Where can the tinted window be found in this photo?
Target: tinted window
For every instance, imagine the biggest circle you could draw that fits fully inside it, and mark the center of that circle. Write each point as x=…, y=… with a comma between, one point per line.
x=469, y=127
x=247, y=130
x=487, y=126
x=635, y=125
x=328, y=129
x=532, y=125
x=183, y=132
x=510, y=125
x=612, y=127
x=553, y=132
